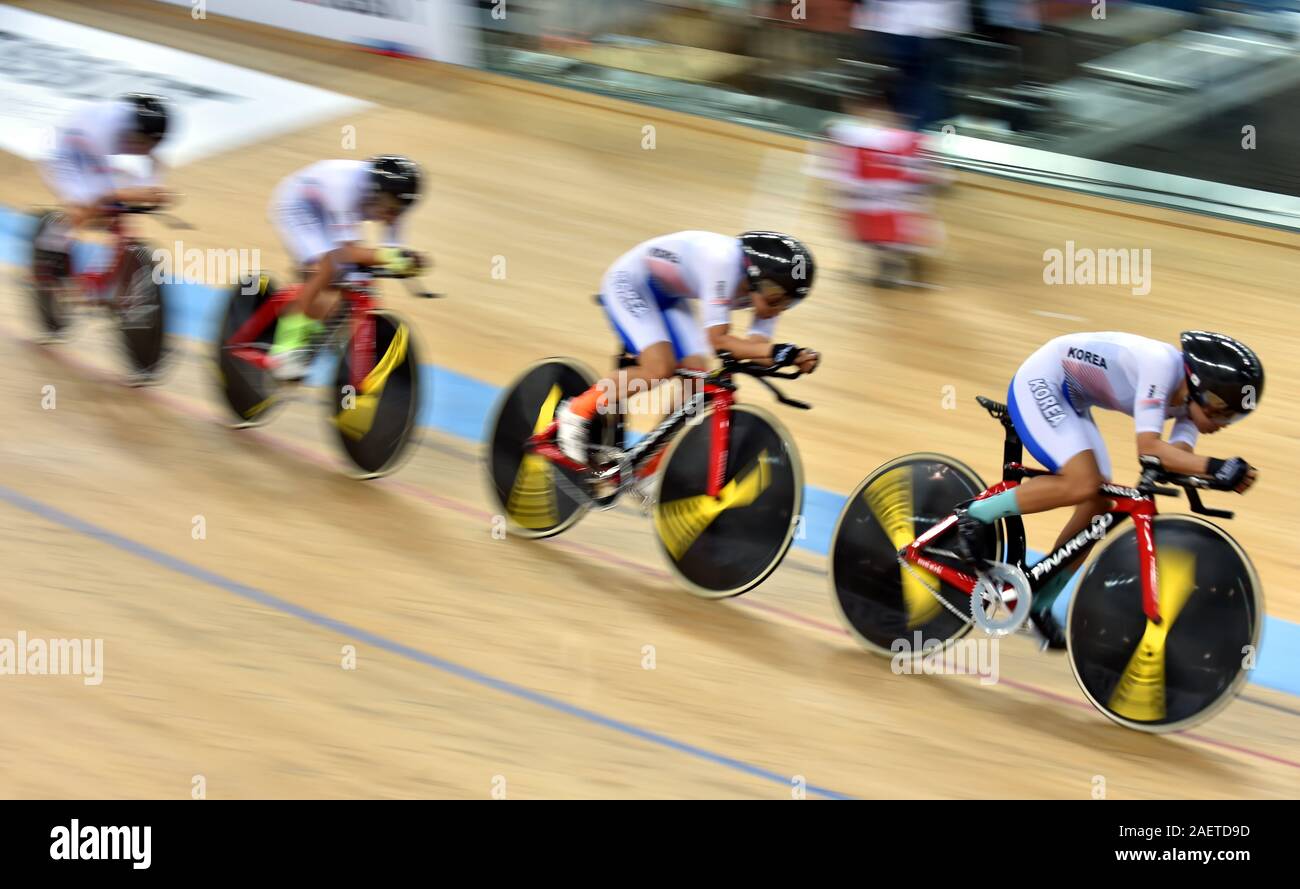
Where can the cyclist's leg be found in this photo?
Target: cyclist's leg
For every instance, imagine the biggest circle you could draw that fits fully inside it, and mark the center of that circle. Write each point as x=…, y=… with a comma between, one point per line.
x=1057, y=436
x=640, y=323
x=305, y=237
x=1094, y=464
x=81, y=183
x=690, y=342
x=320, y=293
x=1086, y=470
x=1077, y=454
x=690, y=349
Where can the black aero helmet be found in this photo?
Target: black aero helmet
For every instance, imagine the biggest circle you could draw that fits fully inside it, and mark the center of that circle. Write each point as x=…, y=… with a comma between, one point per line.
x=1223, y=376
x=151, y=114
x=396, y=175
x=781, y=259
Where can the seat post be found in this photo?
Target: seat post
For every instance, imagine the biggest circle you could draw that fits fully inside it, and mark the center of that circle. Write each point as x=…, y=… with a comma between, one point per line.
x=621, y=361
x=1013, y=450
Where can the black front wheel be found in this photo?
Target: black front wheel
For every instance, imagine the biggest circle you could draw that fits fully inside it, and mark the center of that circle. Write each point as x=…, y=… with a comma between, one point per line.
x=1172, y=675
x=375, y=413
x=726, y=545
x=141, y=316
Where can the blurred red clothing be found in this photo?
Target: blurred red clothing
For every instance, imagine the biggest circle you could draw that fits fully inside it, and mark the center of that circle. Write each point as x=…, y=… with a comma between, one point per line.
x=885, y=184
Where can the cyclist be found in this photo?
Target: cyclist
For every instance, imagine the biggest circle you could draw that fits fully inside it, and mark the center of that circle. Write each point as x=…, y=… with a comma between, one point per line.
x=79, y=171
x=648, y=294
x=1212, y=381
x=317, y=212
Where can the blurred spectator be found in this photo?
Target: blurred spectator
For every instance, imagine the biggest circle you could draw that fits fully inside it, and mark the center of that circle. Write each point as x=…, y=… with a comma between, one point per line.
x=884, y=186
x=908, y=35
x=1016, y=23
x=1005, y=16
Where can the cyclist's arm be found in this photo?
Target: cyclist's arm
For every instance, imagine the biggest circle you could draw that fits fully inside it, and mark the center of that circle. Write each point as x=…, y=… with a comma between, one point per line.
x=763, y=329
x=1151, y=394
x=1175, y=457
x=356, y=253
x=394, y=259
x=145, y=188
x=133, y=195
x=757, y=348
x=719, y=276
x=754, y=348
x=154, y=175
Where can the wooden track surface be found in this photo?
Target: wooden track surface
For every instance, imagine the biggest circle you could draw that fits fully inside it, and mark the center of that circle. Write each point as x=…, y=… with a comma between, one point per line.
x=205, y=675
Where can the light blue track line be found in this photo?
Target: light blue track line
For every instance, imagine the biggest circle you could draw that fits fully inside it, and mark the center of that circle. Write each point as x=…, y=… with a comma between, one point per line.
x=202, y=575
x=460, y=405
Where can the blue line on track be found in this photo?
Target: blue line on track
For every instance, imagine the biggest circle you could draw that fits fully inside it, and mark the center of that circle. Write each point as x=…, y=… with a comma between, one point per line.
x=58, y=517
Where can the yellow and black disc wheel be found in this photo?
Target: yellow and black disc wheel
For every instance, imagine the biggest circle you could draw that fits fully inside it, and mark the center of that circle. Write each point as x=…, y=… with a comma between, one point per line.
x=252, y=393
x=723, y=546
x=376, y=420
x=538, y=498
x=1172, y=675
x=880, y=600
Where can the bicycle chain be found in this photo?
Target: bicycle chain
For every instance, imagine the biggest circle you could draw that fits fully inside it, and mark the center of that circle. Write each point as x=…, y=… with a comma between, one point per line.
x=934, y=591
x=964, y=617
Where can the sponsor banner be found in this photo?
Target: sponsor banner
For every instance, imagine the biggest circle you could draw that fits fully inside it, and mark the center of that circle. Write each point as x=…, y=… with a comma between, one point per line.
x=442, y=30
x=49, y=67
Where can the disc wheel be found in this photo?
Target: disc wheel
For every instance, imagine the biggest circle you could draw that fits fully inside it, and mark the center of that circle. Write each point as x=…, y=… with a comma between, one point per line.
x=884, y=604
x=537, y=497
x=375, y=414
x=251, y=392
x=1173, y=675
x=726, y=545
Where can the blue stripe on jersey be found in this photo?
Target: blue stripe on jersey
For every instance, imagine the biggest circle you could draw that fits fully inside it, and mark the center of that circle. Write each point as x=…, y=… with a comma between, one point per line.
x=1022, y=429
x=663, y=298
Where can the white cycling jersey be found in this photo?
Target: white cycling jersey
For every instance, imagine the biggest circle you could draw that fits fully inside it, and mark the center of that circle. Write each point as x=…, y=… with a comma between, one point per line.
x=321, y=207
x=1053, y=393
x=648, y=293
x=79, y=170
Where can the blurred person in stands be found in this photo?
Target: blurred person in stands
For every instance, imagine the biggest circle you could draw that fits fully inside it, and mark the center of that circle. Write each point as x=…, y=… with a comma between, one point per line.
x=1007, y=20
x=884, y=185
x=1015, y=23
x=909, y=36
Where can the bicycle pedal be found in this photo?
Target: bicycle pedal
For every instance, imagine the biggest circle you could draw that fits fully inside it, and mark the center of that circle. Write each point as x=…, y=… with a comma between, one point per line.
x=647, y=497
x=604, y=496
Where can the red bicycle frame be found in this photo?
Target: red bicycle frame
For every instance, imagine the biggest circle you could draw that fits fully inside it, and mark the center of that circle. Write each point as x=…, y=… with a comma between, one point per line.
x=720, y=397
x=358, y=302
x=1129, y=503
x=720, y=439
x=92, y=283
